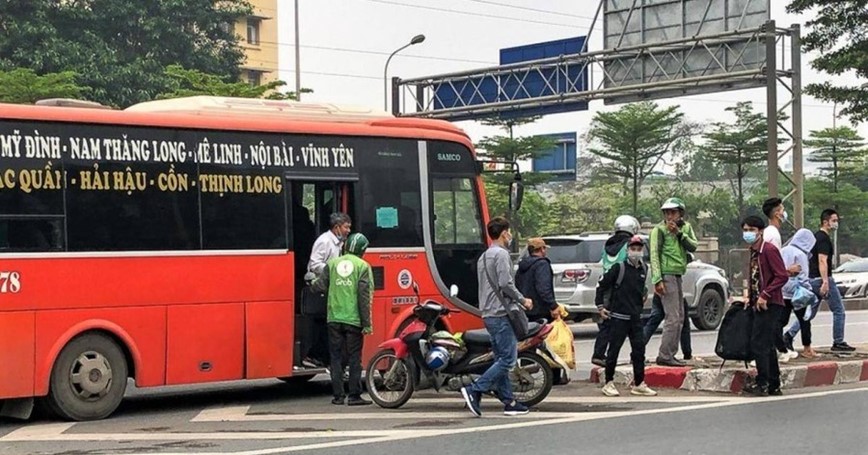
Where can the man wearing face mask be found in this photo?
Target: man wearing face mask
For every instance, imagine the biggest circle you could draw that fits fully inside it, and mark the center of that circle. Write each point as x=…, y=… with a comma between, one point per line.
x=671, y=240
x=774, y=210
x=626, y=283
x=822, y=282
x=327, y=246
x=767, y=277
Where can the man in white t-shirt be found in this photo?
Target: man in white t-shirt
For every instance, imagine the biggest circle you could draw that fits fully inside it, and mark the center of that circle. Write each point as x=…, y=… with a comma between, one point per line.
x=777, y=215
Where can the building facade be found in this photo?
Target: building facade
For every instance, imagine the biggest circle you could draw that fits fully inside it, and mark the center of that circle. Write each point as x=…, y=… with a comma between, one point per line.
x=258, y=34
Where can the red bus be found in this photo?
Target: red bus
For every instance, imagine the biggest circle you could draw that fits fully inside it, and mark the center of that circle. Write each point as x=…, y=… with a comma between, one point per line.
x=167, y=243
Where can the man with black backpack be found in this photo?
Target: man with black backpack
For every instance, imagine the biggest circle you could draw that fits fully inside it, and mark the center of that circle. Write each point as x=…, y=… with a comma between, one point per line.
x=624, y=285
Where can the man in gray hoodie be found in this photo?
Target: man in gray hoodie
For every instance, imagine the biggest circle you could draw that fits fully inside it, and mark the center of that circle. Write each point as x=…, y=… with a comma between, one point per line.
x=496, y=291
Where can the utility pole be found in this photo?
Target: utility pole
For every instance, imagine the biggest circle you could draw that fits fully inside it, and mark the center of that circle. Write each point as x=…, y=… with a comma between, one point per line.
x=297, y=58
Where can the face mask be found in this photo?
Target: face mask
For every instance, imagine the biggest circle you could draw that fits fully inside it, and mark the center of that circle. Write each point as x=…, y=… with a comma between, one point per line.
x=749, y=237
x=634, y=257
x=784, y=215
x=833, y=226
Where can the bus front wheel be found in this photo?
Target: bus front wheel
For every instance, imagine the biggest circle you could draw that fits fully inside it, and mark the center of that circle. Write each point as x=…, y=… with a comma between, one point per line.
x=88, y=379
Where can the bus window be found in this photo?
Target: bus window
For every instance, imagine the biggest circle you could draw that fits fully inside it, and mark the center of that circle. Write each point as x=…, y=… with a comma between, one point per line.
x=390, y=196
x=234, y=220
x=31, y=235
x=456, y=213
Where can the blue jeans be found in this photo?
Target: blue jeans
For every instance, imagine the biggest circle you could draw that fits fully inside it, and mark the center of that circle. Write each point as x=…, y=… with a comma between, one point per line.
x=836, y=306
x=656, y=318
x=505, y=348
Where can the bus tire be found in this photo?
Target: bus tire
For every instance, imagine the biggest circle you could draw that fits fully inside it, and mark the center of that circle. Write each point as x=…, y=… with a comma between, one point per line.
x=88, y=379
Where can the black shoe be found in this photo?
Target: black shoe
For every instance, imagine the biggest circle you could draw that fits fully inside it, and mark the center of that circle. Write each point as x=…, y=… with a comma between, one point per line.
x=775, y=392
x=688, y=357
x=670, y=363
x=755, y=390
x=357, y=401
x=598, y=362
x=842, y=347
x=338, y=400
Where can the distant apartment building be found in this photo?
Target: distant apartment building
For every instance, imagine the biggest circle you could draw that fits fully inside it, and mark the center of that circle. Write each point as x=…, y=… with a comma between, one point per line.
x=258, y=34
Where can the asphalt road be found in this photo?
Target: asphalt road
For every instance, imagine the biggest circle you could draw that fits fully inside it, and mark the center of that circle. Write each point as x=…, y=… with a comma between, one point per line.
x=269, y=417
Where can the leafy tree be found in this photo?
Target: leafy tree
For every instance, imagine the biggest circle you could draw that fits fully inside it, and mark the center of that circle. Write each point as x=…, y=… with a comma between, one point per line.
x=24, y=86
x=507, y=147
x=634, y=139
x=739, y=146
x=839, y=33
x=840, y=147
x=120, y=49
x=185, y=82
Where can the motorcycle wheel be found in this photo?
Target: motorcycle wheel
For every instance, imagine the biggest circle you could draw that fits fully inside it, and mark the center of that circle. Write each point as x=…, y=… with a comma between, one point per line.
x=389, y=380
x=531, y=379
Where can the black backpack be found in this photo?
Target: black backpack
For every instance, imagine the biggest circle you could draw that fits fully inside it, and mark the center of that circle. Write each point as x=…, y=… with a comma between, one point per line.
x=733, y=338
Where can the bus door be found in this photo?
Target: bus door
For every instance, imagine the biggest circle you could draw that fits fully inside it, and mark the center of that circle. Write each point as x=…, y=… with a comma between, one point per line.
x=311, y=203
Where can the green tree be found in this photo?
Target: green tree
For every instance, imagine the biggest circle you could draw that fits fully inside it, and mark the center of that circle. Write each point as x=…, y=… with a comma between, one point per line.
x=839, y=33
x=24, y=86
x=186, y=82
x=507, y=147
x=634, y=140
x=841, y=148
x=120, y=49
x=739, y=146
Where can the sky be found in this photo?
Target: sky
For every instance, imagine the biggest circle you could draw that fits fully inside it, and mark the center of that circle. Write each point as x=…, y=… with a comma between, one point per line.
x=345, y=43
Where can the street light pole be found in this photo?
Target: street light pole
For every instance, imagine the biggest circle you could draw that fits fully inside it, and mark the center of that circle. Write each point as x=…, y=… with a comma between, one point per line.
x=297, y=58
x=415, y=40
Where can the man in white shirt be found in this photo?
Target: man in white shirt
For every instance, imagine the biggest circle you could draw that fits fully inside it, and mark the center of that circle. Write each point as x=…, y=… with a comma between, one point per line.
x=327, y=246
x=777, y=215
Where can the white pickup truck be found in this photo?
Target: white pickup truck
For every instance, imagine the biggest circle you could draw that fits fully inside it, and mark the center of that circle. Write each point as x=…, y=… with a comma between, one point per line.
x=576, y=261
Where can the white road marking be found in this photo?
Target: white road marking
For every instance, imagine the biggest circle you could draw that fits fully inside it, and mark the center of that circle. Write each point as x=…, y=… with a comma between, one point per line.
x=55, y=432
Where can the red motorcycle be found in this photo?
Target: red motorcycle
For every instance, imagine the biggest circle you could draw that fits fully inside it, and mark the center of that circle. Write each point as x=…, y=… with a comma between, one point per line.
x=444, y=361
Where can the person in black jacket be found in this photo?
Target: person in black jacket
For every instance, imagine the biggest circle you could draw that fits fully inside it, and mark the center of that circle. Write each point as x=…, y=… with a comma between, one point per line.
x=621, y=294
x=534, y=279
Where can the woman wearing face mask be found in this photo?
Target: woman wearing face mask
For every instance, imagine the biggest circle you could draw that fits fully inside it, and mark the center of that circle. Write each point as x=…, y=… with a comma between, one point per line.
x=625, y=282
x=796, y=256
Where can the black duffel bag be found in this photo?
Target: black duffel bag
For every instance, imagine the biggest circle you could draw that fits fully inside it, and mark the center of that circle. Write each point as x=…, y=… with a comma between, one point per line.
x=733, y=338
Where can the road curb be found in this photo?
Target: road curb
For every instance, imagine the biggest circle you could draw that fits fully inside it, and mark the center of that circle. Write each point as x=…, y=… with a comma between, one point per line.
x=733, y=380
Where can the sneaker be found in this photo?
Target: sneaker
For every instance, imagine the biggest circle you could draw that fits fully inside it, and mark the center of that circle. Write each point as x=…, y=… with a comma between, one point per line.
x=356, y=400
x=472, y=399
x=775, y=392
x=842, y=347
x=809, y=353
x=598, y=362
x=610, y=390
x=755, y=390
x=643, y=390
x=338, y=401
x=783, y=357
x=793, y=354
x=309, y=363
x=515, y=409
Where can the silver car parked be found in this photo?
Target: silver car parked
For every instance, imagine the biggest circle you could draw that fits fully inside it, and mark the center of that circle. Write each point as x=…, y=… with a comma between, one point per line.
x=576, y=261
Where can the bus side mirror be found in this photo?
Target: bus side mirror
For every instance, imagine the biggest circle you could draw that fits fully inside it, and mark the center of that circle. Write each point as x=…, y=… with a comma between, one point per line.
x=516, y=194
x=453, y=290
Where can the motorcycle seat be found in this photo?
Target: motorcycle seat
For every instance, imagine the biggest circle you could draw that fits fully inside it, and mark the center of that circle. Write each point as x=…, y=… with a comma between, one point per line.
x=480, y=336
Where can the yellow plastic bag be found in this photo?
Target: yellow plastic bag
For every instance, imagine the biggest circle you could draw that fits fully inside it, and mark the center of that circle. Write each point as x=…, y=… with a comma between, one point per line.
x=560, y=341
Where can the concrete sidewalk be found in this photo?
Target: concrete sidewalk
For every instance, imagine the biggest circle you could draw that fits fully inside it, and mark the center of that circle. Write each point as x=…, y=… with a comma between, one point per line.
x=708, y=376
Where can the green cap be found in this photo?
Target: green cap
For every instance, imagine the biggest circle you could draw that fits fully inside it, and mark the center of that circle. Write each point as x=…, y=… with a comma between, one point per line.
x=356, y=244
x=673, y=203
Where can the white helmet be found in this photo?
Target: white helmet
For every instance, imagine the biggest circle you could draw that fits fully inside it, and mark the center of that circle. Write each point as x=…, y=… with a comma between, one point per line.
x=627, y=223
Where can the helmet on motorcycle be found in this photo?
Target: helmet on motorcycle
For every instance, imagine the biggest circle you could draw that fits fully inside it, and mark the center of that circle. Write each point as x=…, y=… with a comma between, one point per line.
x=437, y=358
x=627, y=223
